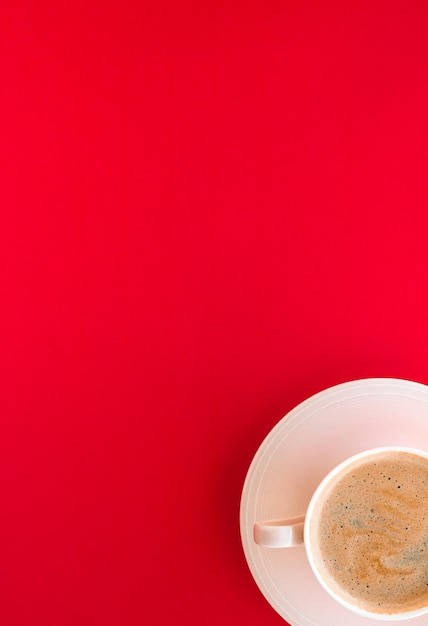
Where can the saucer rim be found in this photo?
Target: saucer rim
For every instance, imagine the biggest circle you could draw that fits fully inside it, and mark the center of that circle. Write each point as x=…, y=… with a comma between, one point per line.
x=344, y=392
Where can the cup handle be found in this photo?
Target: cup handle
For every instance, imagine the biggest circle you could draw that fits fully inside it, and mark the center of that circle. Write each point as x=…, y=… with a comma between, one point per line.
x=280, y=534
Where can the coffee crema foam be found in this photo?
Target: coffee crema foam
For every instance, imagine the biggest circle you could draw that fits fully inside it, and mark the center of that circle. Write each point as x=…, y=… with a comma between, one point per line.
x=371, y=529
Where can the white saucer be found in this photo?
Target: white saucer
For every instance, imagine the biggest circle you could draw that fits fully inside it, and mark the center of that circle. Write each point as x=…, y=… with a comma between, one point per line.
x=302, y=448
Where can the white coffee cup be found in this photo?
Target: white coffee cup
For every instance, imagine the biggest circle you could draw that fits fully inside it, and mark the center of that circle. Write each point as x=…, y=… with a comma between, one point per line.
x=297, y=530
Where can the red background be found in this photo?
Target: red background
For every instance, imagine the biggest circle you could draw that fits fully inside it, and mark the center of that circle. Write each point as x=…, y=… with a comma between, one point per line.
x=209, y=211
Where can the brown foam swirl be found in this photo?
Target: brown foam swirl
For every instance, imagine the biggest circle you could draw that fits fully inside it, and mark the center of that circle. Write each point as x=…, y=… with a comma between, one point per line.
x=372, y=530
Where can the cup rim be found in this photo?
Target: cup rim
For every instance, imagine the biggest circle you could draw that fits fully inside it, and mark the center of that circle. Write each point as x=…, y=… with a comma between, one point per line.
x=404, y=615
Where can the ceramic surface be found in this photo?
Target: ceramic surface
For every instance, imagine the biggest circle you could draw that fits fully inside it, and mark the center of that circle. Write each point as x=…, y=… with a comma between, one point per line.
x=297, y=454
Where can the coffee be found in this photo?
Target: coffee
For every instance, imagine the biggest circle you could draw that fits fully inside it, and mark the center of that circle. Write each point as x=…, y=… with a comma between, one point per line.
x=370, y=533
